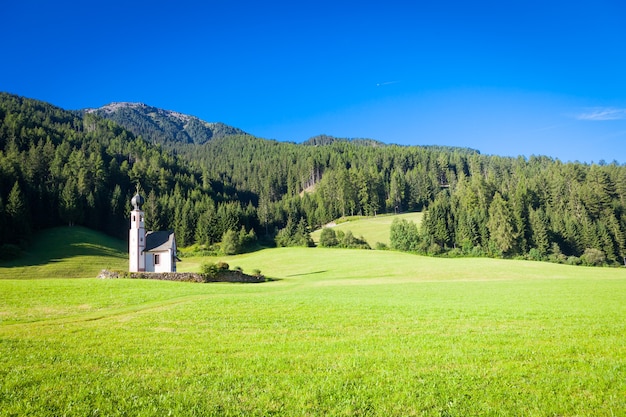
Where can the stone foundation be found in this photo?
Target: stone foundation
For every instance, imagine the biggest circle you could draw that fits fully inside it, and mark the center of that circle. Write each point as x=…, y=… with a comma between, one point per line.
x=221, y=276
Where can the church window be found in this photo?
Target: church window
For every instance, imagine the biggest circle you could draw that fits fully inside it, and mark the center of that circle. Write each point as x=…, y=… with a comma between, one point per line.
x=156, y=259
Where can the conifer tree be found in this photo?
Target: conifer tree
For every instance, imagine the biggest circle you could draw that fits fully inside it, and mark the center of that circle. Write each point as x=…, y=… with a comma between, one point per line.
x=18, y=227
x=539, y=231
x=500, y=225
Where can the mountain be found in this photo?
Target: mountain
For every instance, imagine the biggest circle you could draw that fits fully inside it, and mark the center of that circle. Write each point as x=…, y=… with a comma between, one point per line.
x=173, y=128
x=163, y=126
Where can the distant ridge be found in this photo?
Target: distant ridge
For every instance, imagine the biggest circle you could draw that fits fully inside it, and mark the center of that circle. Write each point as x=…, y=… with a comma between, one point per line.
x=324, y=140
x=163, y=126
x=327, y=140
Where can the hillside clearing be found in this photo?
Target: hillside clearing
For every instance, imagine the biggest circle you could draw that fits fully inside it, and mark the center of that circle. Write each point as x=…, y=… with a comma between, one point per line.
x=373, y=229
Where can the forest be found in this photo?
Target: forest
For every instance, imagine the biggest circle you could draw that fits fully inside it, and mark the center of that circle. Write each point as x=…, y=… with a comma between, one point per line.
x=61, y=167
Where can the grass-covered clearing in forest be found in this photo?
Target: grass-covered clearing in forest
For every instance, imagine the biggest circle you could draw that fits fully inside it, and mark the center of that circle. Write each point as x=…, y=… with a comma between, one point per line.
x=373, y=229
x=340, y=332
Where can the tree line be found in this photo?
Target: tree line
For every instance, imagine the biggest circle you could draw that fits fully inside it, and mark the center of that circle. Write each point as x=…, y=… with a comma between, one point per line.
x=481, y=205
x=59, y=167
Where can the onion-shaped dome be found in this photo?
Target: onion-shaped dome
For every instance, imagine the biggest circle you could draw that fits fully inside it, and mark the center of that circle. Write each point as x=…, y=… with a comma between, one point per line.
x=137, y=201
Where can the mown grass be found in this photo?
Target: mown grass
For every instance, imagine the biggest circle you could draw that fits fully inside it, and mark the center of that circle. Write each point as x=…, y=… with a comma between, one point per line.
x=340, y=332
x=373, y=229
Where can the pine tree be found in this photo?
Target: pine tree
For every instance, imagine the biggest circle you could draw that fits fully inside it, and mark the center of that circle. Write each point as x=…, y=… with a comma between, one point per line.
x=206, y=226
x=438, y=222
x=18, y=227
x=231, y=244
x=539, y=231
x=500, y=225
x=3, y=233
x=153, y=212
x=71, y=207
x=396, y=192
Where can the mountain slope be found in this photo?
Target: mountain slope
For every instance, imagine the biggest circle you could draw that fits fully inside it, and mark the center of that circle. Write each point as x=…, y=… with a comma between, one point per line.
x=67, y=252
x=163, y=126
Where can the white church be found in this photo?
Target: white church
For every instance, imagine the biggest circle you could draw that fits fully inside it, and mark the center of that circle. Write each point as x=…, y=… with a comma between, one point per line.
x=149, y=251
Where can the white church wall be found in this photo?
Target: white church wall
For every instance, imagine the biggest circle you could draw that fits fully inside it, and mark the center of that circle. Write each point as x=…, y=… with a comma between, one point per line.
x=164, y=261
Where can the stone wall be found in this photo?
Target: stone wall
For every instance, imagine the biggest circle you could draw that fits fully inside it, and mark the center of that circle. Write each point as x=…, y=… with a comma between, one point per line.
x=221, y=276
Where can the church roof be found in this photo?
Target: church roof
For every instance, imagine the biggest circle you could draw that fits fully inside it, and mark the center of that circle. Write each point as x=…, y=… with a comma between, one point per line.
x=159, y=241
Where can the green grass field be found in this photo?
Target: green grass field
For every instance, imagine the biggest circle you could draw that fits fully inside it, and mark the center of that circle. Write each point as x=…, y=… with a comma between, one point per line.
x=373, y=229
x=68, y=252
x=338, y=333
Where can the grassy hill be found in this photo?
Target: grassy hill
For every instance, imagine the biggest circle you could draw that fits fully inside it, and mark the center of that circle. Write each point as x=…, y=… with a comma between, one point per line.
x=67, y=252
x=339, y=332
x=373, y=229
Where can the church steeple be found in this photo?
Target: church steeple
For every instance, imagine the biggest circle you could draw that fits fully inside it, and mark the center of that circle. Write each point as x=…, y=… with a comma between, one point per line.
x=137, y=236
x=137, y=201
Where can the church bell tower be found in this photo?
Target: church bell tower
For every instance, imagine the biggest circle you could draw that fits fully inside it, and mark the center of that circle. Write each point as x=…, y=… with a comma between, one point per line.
x=137, y=236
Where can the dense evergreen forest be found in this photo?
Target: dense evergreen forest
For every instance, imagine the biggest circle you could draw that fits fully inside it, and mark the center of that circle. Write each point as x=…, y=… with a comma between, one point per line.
x=59, y=167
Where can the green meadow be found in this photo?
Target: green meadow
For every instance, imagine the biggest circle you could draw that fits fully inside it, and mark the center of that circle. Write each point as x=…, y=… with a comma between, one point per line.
x=335, y=333
x=68, y=252
x=372, y=229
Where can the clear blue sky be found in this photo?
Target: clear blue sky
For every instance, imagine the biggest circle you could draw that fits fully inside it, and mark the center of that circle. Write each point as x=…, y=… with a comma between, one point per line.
x=504, y=77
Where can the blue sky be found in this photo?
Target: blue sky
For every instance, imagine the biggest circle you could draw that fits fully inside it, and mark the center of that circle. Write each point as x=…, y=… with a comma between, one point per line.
x=505, y=77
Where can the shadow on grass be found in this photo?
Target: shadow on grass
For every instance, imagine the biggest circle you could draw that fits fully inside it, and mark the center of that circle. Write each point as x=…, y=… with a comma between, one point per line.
x=305, y=274
x=62, y=243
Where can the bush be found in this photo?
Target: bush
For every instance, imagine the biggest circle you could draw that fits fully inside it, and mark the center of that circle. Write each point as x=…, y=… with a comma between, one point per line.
x=349, y=241
x=404, y=235
x=222, y=266
x=381, y=246
x=209, y=269
x=328, y=238
x=455, y=253
x=256, y=272
x=573, y=260
x=593, y=257
x=557, y=256
x=294, y=234
x=535, y=255
x=434, y=249
x=236, y=242
x=467, y=246
x=477, y=251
